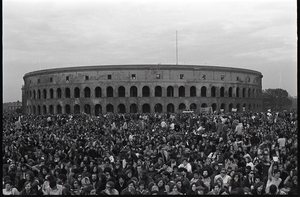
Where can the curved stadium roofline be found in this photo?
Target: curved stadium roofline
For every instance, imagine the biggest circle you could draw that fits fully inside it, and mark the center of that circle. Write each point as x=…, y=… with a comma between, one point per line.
x=140, y=67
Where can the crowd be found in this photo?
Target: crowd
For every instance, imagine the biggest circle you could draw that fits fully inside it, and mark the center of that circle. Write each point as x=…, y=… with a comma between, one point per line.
x=150, y=154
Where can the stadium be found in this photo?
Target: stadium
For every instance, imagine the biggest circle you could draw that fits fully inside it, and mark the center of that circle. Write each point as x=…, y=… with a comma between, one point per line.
x=143, y=88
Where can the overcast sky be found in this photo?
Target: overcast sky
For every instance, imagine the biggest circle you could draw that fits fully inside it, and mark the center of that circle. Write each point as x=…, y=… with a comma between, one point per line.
x=41, y=34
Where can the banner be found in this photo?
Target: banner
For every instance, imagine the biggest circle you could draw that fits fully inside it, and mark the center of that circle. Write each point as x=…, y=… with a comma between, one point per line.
x=234, y=109
x=206, y=110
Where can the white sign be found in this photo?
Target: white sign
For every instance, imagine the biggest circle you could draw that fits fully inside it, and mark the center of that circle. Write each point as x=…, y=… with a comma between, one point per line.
x=207, y=110
x=234, y=109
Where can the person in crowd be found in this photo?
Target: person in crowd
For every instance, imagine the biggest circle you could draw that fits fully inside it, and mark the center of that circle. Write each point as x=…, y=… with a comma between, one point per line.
x=142, y=190
x=130, y=189
x=273, y=179
x=216, y=190
x=235, y=182
x=224, y=177
x=109, y=189
x=9, y=189
x=28, y=190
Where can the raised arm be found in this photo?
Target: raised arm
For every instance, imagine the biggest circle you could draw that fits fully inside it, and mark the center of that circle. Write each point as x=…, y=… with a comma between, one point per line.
x=270, y=170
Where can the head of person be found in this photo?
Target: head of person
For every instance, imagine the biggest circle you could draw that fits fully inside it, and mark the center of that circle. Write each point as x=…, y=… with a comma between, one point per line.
x=277, y=173
x=194, y=187
x=110, y=185
x=94, y=177
x=236, y=177
x=8, y=185
x=141, y=185
x=273, y=189
x=216, y=188
x=76, y=184
x=259, y=186
x=200, y=190
x=160, y=182
x=131, y=185
x=205, y=173
x=52, y=184
x=295, y=180
x=256, y=178
x=27, y=185
x=128, y=173
x=223, y=172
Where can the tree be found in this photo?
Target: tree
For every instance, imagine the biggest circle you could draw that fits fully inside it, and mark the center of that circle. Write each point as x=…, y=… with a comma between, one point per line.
x=276, y=100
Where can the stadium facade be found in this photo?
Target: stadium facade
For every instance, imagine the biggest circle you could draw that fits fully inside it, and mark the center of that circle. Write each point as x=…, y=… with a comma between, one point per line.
x=140, y=89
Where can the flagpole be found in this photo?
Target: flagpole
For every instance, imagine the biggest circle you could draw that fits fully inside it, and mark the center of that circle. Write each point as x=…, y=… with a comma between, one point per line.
x=176, y=49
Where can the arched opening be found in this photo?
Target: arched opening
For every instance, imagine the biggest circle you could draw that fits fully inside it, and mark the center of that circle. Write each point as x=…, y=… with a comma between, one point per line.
x=158, y=91
x=109, y=108
x=158, y=108
x=39, y=110
x=121, y=91
x=45, y=93
x=244, y=92
x=68, y=93
x=237, y=93
x=34, y=110
x=244, y=107
x=181, y=92
x=98, y=92
x=204, y=105
x=87, y=92
x=193, y=107
x=34, y=94
x=58, y=93
x=249, y=107
x=51, y=93
x=223, y=106
x=67, y=108
x=87, y=109
x=253, y=93
x=145, y=91
x=146, y=108
x=230, y=107
x=222, y=92
x=109, y=92
x=170, y=108
x=193, y=92
x=133, y=91
x=214, y=107
x=238, y=107
x=77, y=92
x=44, y=109
x=30, y=94
x=249, y=93
x=213, y=91
x=51, y=109
x=98, y=110
x=203, y=91
x=133, y=108
x=121, y=108
x=39, y=94
x=76, y=109
x=230, y=92
x=181, y=106
x=170, y=91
